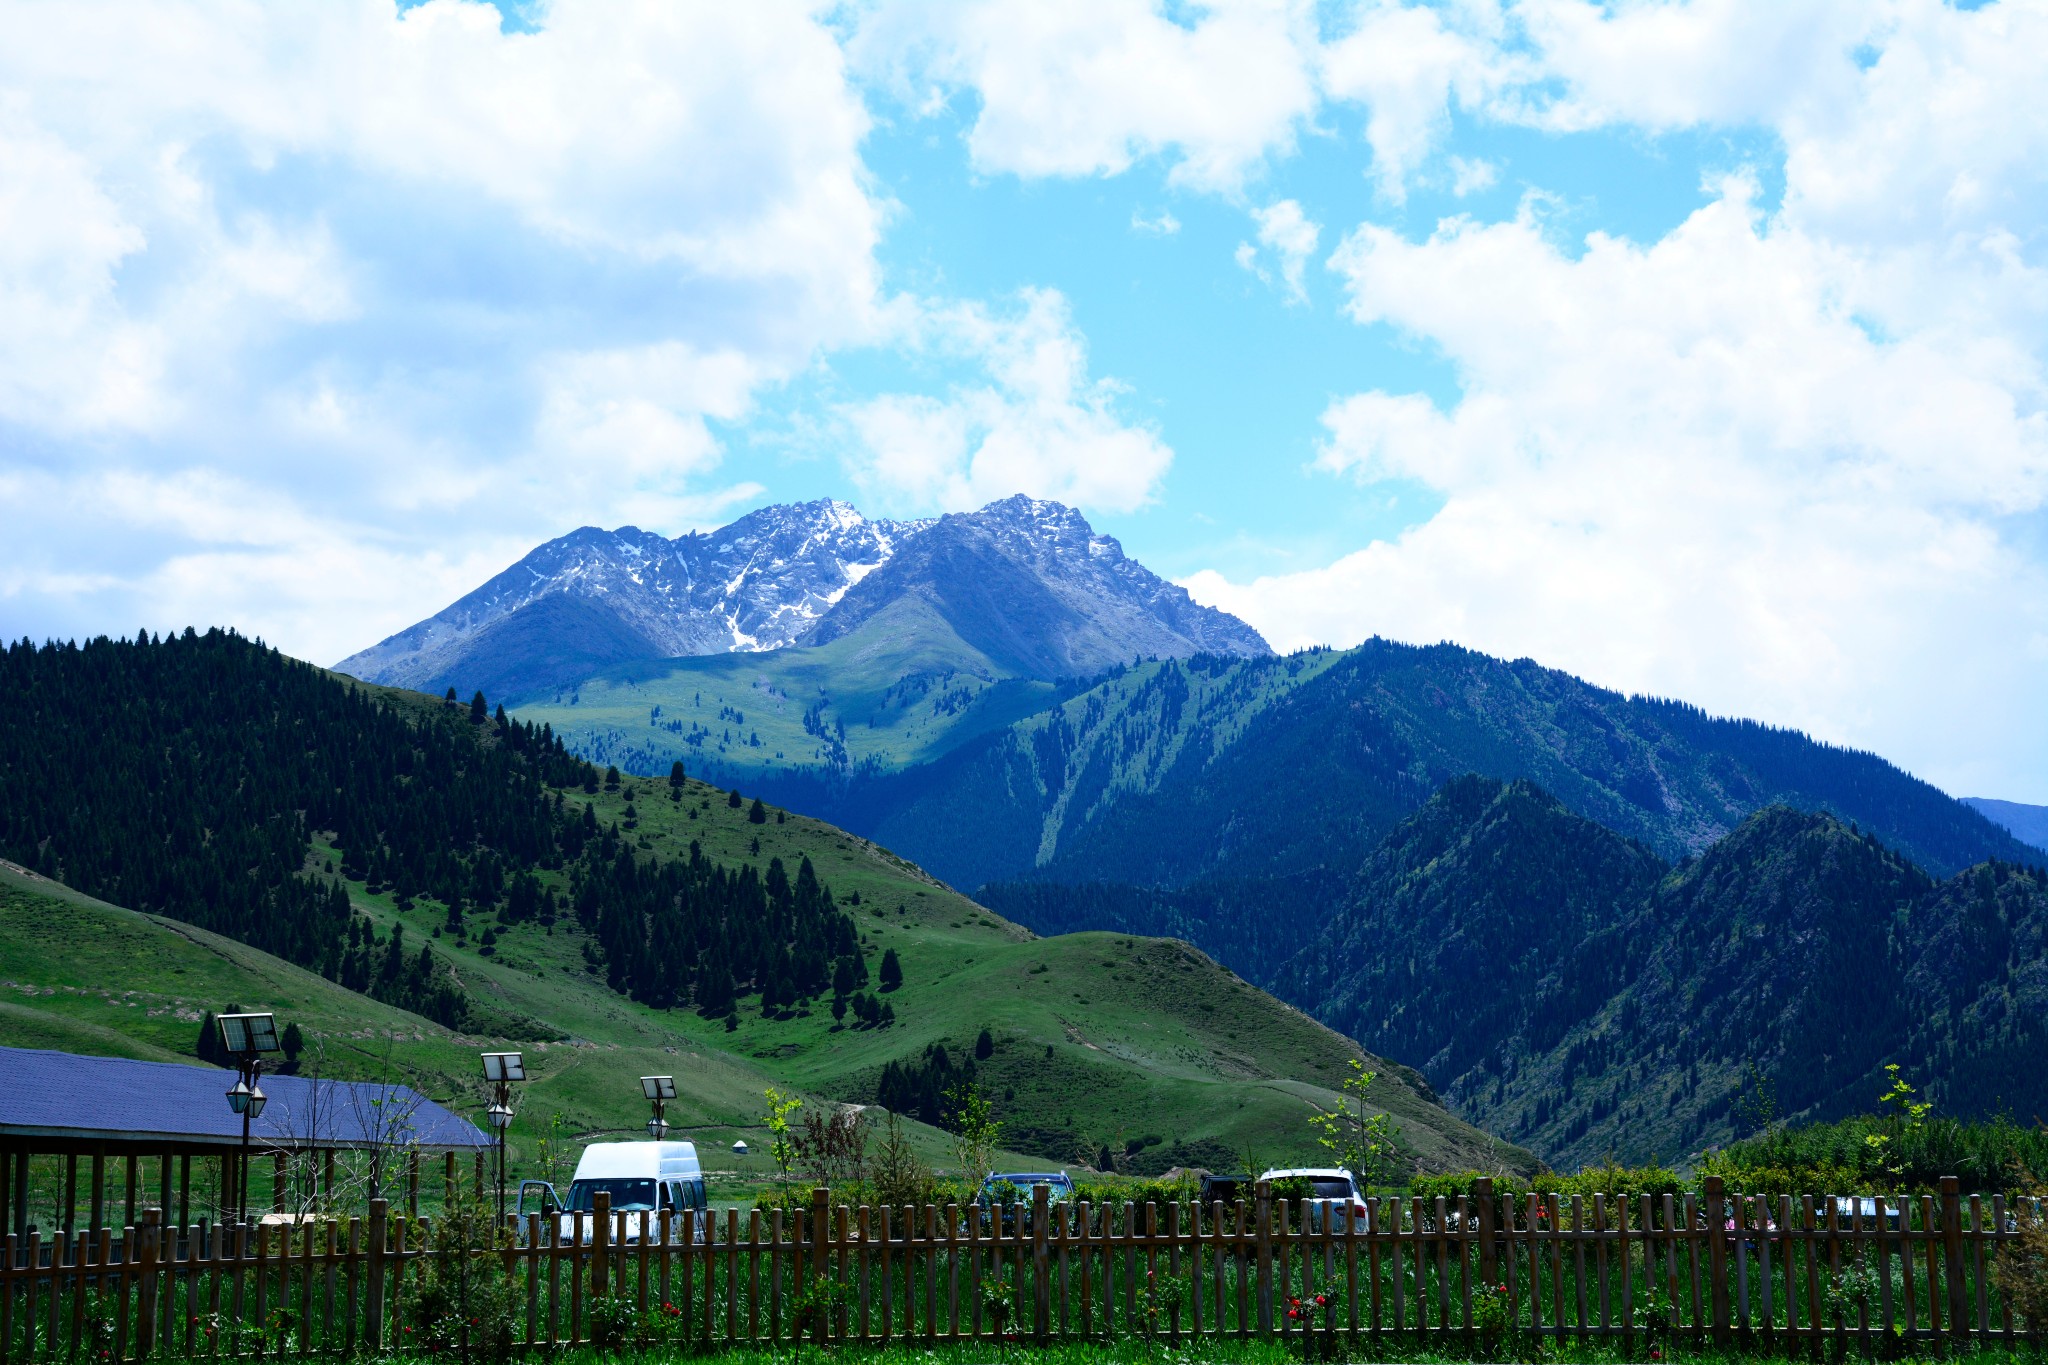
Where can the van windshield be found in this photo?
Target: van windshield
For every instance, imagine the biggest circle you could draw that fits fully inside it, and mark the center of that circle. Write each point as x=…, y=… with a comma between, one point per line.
x=626, y=1194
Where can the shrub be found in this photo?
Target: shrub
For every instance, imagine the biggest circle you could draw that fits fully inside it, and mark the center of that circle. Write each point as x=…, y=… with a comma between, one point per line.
x=1839, y=1158
x=458, y=1306
x=2023, y=1266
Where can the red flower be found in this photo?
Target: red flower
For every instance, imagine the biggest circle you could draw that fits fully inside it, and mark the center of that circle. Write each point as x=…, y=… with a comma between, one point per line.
x=1321, y=1300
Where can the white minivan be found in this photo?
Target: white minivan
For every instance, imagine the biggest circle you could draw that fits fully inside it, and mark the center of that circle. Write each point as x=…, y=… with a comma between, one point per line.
x=639, y=1176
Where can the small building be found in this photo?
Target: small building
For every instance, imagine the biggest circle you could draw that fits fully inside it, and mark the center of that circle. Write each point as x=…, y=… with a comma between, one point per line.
x=143, y=1125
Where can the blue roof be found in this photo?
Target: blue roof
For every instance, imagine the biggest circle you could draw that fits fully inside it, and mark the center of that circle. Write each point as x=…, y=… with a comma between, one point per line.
x=64, y=1095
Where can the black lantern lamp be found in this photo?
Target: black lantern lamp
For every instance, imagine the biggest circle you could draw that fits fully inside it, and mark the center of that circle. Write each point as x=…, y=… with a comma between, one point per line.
x=246, y=1037
x=501, y=1069
x=659, y=1090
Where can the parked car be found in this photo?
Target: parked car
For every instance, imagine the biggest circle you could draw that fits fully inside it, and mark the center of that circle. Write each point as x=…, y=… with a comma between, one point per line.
x=1861, y=1209
x=1059, y=1189
x=639, y=1176
x=1331, y=1188
x=1226, y=1189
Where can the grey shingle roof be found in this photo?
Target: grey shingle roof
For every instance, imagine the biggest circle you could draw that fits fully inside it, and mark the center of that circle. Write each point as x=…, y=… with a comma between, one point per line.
x=64, y=1095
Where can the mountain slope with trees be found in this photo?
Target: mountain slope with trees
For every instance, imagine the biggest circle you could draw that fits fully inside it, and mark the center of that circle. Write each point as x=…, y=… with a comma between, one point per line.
x=1182, y=773
x=1561, y=985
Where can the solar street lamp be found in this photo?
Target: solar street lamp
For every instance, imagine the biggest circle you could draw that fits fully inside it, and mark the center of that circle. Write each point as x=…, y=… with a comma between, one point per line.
x=246, y=1037
x=659, y=1090
x=501, y=1069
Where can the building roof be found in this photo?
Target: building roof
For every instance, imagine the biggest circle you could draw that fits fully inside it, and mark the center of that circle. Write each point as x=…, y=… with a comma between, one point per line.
x=112, y=1099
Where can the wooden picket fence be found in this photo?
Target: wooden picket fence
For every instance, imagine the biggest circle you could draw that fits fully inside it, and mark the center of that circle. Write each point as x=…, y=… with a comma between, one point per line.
x=1795, y=1277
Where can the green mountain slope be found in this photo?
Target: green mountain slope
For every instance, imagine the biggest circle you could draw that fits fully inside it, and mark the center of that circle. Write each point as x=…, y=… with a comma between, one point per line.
x=1626, y=1007
x=902, y=689
x=501, y=890
x=1181, y=771
x=1489, y=882
x=1227, y=801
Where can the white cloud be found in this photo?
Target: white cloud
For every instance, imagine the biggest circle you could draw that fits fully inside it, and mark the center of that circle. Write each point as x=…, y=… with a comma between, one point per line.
x=1034, y=422
x=1690, y=468
x=1086, y=87
x=409, y=283
x=1161, y=224
x=1407, y=66
x=1290, y=235
x=1472, y=175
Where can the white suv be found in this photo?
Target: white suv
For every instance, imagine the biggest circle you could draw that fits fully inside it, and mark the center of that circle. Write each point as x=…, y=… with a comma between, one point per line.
x=1329, y=1187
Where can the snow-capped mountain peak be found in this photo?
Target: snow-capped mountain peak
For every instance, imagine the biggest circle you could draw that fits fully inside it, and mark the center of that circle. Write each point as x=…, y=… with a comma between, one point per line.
x=775, y=577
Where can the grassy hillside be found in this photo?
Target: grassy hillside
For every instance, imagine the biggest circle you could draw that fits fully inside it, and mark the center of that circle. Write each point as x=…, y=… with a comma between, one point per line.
x=903, y=689
x=1145, y=1037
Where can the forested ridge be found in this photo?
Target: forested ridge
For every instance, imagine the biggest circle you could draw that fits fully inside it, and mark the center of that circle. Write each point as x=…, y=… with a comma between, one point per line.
x=1224, y=772
x=1561, y=985
x=191, y=775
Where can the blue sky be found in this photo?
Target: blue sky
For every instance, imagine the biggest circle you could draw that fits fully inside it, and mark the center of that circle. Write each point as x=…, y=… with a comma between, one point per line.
x=1697, y=347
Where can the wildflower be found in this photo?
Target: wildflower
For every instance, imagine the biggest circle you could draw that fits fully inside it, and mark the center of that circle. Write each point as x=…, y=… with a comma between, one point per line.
x=1321, y=1300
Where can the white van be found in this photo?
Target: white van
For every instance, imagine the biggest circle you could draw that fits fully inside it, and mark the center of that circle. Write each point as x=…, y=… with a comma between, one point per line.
x=649, y=1176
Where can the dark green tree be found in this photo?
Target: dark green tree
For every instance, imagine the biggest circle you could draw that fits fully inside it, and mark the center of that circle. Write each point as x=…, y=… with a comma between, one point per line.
x=758, y=813
x=732, y=798
x=984, y=1046
x=479, y=710
x=892, y=970
x=675, y=775
x=206, y=1047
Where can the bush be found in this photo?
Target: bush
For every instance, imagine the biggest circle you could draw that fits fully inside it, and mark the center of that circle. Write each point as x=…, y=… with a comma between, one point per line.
x=458, y=1305
x=2023, y=1267
x=1840, y=1158
x=1608, y=1178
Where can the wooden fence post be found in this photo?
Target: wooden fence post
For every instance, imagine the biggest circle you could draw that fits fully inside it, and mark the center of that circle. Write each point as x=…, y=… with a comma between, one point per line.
x=1041, y=1286
x=1262, y=1228
x=1717, y=1256
x=1952, y=1257
x=373, y=1302
x=145, y=1253
x=600, y=1244
x=1482, y=1199
x=821, y=1213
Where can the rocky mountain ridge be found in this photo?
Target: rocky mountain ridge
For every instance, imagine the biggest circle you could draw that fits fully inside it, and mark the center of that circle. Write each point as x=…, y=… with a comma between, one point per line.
x=1029, y=580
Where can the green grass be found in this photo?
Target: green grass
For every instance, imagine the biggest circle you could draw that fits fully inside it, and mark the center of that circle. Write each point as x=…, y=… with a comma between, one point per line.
x=1135, y=1351
x=905, y=688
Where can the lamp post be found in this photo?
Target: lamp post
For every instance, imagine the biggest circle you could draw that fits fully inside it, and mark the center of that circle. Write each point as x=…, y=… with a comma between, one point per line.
x=501, y=1069
x=246, y=1037
x=659, y=1090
